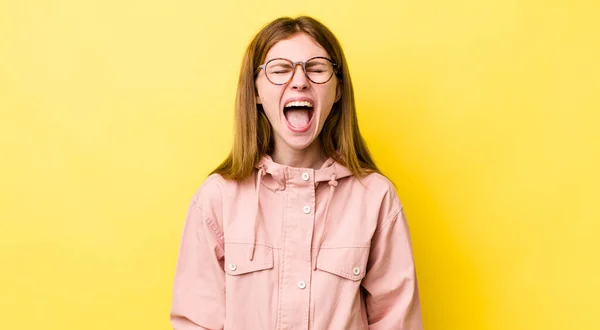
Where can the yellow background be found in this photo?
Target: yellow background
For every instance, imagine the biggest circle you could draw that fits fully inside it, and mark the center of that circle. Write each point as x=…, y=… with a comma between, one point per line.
x=484, y=113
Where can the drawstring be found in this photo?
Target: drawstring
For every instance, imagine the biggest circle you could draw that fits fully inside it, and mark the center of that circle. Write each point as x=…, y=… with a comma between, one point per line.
x=332, y=184
x=261, y=173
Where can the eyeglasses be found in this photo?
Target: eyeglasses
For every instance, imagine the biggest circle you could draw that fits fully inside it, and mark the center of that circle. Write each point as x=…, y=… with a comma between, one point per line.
x=279, y=71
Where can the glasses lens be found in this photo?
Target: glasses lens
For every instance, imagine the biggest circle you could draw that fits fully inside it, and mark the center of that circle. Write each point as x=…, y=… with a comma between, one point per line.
x=319, y=70
x=279, y=71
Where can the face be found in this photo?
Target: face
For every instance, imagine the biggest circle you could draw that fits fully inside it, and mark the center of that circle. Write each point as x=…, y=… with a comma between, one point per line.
x=296, y=110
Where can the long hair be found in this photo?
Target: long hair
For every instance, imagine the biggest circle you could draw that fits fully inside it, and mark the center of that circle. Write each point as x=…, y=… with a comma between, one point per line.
x=340, y=137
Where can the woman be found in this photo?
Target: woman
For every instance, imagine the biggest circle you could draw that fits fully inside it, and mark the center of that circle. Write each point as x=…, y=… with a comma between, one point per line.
x=296, y=229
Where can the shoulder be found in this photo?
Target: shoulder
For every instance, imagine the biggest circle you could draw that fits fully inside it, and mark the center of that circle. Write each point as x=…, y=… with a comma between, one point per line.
x=208, y=198
x=383, y=192
x=215, y=189
x=210, y=188
x=378, y=183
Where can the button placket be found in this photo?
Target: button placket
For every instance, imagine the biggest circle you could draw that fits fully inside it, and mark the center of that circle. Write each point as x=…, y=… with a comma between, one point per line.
x=297, y=265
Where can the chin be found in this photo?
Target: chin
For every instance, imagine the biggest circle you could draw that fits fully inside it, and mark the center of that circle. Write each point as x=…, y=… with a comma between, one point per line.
x=299, y=143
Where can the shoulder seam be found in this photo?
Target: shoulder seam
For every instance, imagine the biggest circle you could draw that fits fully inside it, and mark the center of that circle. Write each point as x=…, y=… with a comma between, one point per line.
x=391, y=219
x=208, y=220
x=215, y=229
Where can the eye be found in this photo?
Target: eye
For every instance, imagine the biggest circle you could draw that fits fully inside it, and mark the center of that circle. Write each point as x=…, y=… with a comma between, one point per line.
x=279, y=67
x=318, y=66
x=280, y=71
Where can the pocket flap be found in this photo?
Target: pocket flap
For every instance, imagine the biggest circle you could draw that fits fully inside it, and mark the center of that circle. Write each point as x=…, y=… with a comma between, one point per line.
x=349, y=263
x=238, y=263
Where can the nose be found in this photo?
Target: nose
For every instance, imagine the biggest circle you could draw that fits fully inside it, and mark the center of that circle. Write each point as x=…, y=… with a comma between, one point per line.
x=299, y=80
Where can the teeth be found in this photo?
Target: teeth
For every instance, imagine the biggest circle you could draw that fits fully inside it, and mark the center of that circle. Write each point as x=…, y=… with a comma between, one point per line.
x=299, y=104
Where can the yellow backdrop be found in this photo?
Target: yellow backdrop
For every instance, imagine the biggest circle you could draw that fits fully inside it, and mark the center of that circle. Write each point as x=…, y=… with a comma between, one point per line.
x=484, y=113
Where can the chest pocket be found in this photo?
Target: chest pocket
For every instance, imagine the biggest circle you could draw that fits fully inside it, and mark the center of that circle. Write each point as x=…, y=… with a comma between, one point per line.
x=347, y=262
x=238, y=263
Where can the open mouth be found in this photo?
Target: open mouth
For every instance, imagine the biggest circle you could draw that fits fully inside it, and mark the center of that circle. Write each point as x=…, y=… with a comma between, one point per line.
x=298, y=114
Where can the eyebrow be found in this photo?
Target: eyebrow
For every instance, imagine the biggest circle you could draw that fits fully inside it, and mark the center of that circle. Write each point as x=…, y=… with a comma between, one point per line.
x=285, y=58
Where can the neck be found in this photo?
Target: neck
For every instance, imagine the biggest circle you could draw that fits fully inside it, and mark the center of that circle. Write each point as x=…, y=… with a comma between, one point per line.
x=311, y=157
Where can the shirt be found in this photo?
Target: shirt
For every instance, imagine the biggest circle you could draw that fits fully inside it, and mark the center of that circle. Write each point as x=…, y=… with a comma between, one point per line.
x=296, y=248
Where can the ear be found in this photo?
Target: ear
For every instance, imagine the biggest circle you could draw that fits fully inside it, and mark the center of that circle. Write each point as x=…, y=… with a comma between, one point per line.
x=338, y=91
x=257, y=97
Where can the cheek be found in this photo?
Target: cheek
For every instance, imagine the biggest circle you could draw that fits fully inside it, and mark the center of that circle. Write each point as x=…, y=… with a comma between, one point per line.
x=267, y=93
x=268, y=98
x=328, y=97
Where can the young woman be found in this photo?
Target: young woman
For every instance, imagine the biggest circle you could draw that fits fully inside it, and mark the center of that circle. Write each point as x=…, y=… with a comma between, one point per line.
x=296, y=229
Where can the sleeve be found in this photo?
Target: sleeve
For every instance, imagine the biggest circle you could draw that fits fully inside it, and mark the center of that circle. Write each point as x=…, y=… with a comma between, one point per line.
x=392, y=297
x=199, y=284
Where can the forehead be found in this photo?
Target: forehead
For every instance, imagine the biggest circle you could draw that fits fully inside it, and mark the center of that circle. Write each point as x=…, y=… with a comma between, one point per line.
x=300, y=47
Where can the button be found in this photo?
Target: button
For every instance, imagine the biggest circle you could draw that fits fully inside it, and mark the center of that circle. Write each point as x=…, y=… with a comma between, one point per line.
x=306, y=209
x=232, y=267
x=356, y=270
x=302, y=285
x=305, y=176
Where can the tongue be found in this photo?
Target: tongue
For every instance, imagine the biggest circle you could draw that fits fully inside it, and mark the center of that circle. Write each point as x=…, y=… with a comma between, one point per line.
x=298, y=117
